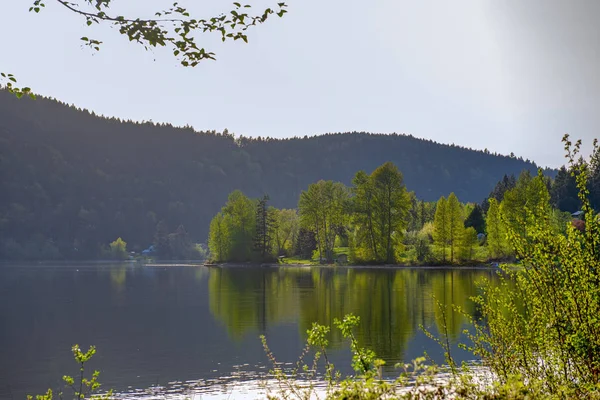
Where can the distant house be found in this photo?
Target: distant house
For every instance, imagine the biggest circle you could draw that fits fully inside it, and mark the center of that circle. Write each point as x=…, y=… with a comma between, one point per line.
x=577, y=214
x=150, y=250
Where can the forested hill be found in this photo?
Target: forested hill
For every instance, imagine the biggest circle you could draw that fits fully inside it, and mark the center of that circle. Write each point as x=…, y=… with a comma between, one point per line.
x=76, y=180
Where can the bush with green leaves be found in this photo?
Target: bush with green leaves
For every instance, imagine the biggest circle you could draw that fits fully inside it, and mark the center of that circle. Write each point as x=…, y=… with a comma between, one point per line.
x=118, y=249
x=416, y=380
x=80, y=386
x=541, y=325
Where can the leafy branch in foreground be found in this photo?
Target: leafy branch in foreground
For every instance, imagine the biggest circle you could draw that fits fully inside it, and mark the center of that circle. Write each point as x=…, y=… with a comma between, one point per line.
x=416, y=380
x=10, y=85
x=174, y=27
x=81, y=387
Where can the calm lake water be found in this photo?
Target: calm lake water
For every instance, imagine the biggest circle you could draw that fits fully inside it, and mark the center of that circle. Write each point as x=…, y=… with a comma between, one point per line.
x=170, y=329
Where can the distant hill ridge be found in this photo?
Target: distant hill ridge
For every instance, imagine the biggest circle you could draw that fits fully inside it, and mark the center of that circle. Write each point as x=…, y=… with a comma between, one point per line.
x=71, y=176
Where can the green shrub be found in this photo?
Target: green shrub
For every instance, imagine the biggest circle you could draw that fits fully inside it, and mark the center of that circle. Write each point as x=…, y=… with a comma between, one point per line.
x=541, y=325
x=80, y=386
x=118, y=249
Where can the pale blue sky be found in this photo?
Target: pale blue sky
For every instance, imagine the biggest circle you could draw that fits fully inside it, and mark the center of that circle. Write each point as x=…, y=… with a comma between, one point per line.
x=507, y=75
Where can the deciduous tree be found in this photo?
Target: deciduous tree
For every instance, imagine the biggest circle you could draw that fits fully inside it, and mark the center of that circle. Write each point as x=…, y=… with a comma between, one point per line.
x=118, y=249
x=390, y=206
x=322, y=210
x=441, y=226
x=219, y=238
x=496, y=232
x=242, y=221
x=286, y=231
x=455, y=224
x=175, y=27
x=469, y=241
x=528, y=199
x=380, y=210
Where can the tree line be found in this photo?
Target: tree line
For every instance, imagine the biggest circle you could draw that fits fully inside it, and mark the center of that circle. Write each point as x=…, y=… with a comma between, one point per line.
x=73, y=181
x=377, y=220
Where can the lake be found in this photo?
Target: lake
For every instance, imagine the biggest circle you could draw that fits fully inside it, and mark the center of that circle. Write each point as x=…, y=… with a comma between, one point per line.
x=164, y=329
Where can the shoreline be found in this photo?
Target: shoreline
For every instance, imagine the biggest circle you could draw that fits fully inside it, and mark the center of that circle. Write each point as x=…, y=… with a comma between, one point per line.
x=349, y=266
x=237, y=265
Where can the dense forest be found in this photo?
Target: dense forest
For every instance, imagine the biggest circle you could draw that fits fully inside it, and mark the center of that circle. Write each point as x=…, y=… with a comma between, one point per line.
x=73, y=182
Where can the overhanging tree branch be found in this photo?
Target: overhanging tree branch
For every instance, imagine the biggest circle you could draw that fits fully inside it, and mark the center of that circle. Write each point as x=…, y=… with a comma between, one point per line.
x=174, y=27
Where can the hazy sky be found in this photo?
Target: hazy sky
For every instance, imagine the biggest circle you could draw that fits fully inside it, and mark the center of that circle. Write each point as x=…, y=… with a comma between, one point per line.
x=507, y=75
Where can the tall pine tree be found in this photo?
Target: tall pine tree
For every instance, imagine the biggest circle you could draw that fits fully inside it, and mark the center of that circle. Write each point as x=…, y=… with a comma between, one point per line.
x=263, y=236
x=476, y=219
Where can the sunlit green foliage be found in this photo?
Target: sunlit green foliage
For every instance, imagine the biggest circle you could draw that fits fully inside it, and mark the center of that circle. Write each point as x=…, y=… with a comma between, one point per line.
x=455, y=219
x=496, y=232
x=80, y=386
x=529, y=197
x=416, y=380
x=233, y=229
x=441, y=228
x=286, y=232
x=118, y=249
x=423, y=252
x=373, y=220
x=10, y=83
x=420, y=212
x=240, y=211
x=322, y=211
x=380, y=211
x=219, y=239
x=544, y=332
x=468, y=243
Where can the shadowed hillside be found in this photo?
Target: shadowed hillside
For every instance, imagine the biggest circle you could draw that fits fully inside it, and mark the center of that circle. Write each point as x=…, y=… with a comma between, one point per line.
x=72, y=181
